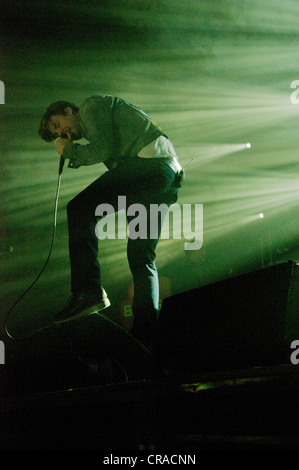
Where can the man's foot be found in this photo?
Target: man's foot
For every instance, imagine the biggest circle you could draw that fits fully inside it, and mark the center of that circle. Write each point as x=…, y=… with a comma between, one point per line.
x=82, y=303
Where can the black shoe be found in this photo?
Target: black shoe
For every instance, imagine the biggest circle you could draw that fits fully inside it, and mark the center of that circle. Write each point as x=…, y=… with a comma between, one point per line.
x=82, y=303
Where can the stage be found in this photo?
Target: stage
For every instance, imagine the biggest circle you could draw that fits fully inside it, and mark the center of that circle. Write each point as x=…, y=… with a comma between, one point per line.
x=248, y=409
x=222, y=375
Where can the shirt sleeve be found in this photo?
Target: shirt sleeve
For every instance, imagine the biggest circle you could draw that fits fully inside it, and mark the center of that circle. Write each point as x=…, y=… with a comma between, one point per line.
x=96, y=119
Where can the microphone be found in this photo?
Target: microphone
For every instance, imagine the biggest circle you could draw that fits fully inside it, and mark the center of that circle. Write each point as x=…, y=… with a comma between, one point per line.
x=61, y=163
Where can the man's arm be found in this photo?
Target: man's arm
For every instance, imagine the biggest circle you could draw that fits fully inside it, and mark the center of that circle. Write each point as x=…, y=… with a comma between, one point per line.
x=96, y=120
x=62, y=142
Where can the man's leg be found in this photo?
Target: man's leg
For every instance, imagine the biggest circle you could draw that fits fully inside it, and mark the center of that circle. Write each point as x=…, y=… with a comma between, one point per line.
x=138, y=180
x=141, y=257
x=88, y=295
x=83, y=243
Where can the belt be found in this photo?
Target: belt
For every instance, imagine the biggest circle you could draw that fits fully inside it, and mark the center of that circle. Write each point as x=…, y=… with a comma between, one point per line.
x=171, y=162
x=174, y=165
x=179, y=172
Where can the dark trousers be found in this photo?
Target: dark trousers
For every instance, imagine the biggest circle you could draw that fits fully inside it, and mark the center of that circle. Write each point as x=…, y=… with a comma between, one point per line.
x=142, y=181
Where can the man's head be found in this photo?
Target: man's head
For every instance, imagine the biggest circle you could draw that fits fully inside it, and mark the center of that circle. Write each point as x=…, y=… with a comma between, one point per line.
x=59, y=120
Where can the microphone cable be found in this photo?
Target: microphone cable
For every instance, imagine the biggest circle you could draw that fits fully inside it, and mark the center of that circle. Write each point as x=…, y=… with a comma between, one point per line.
x=61, y=164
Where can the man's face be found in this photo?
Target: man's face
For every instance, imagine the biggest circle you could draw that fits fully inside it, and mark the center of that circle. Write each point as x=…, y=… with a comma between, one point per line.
x=62, y=124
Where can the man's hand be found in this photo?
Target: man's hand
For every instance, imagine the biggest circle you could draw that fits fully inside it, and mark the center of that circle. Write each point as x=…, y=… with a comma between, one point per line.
x=61, y=143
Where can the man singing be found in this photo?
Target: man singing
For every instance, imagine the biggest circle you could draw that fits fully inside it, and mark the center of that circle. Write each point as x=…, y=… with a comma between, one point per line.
x=142, y=166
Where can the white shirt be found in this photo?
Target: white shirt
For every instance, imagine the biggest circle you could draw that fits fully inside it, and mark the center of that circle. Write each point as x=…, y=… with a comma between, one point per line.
x=161, y=148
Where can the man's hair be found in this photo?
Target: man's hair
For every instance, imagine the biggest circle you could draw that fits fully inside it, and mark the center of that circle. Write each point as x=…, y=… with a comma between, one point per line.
x=57, y=108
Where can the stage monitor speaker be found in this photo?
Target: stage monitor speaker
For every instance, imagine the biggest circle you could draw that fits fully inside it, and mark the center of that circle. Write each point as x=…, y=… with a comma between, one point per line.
x=237, y=322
